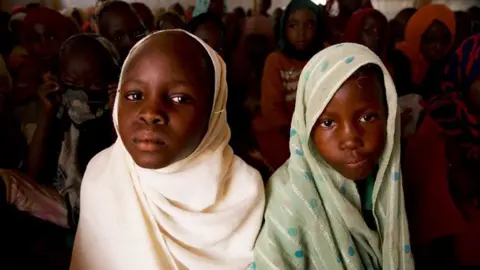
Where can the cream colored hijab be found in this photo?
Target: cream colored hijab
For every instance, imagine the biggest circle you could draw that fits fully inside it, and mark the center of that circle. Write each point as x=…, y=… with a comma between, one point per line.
x=203, y=212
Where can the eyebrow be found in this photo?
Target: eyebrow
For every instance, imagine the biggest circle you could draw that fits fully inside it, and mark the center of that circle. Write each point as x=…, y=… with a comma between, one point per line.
x=172, y=82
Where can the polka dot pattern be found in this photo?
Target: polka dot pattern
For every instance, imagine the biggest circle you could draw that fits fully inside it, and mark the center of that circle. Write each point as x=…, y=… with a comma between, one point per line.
x=349, y=59
x=351, y=251
x=292, y=232
x=299, y=253
x=396, y=176
x=324, y=66
x=313, y=203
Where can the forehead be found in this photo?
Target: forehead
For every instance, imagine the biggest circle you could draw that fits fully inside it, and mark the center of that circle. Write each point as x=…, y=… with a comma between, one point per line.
x=356, y=90
x=437, y=28
x=176, y=56
x=302, y=14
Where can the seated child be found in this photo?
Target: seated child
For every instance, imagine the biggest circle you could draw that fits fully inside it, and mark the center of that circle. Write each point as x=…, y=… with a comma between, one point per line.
x=301, y=37
x=75, y=125
x=441, y=169
x=170, y=193
x=338, y=201
x=118, y=22
x=211, y=30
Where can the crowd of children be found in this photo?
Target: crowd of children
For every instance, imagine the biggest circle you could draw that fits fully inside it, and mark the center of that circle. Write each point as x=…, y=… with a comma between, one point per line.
x=347, y=141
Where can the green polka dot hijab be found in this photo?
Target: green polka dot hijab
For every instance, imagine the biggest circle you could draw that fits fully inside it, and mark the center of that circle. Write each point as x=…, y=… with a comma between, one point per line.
x=313, y=218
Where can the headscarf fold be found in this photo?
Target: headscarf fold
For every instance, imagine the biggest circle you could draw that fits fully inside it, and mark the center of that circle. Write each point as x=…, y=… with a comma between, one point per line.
x=354, y=28
x=203, y=212
x=283, y=43
x=313, y=218
x=448, y=109
x=416, y=27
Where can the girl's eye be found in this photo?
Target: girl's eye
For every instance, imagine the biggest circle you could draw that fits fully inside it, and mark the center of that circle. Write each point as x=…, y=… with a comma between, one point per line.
x=326, y=123
x=135, y=96
x=180, y=99
x=368, y=118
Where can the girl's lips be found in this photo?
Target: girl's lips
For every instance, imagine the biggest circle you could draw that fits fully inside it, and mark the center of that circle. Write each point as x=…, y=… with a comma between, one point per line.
x=149, y=145
x=357, y=164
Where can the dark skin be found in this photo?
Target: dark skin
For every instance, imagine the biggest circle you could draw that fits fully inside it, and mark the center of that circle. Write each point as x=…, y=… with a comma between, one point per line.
x=301, y=29
x=435, y=42
x=373, y=33
x=83, y=67
x=212, y=35
x=350, y=134
x=43, y=42
x=122, y=27
x=165, y=100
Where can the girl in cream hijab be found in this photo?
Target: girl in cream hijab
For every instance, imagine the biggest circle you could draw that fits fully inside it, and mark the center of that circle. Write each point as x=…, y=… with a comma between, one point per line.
x=338, y=201
x=170, y=193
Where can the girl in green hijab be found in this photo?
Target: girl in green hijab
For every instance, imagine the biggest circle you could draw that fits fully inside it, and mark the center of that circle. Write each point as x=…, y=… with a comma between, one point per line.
x=338, y=201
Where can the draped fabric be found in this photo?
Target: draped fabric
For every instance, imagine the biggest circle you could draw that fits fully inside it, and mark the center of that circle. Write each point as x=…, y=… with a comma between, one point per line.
x=313, y=218
x=203, y=212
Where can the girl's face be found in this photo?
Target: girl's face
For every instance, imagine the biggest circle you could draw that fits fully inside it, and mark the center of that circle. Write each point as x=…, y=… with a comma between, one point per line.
x=44, y=42
x=212, y=35
x=123, y=28
x=85, y=77
x=435, y=42
x=373, y=34
x=301, y=29
x=350, y=133
x=165, y=100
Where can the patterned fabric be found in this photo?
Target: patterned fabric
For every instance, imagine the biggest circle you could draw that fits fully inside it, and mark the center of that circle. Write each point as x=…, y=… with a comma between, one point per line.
x=449, y=109
x=313, y=216
x=290, y=82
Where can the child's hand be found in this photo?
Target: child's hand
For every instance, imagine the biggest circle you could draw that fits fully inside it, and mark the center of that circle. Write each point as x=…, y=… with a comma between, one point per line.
x=50, y=93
